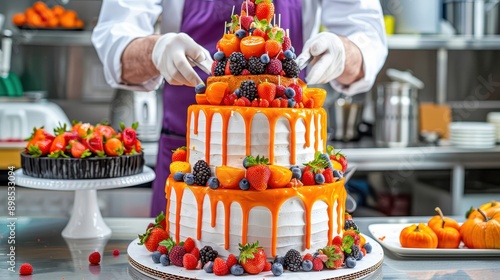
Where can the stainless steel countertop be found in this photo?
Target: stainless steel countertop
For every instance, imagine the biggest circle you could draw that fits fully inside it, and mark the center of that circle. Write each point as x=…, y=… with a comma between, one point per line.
x=39, y=242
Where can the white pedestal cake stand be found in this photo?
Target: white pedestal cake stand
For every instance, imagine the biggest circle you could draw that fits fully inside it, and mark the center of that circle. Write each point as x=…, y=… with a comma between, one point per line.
x=86, y=219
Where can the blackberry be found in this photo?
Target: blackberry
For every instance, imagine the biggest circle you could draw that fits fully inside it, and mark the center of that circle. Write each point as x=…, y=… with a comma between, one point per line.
x=354, y=252
x=290, y=67
x=237, y=63
x=201, y=172
x=293, y=260
x=207, y=254
x=255, y=66
x=350, y=224
x=220, y=68
x=248, y=89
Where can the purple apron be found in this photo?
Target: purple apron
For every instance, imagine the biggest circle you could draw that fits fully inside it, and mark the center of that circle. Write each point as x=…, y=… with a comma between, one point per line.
x=204, y=20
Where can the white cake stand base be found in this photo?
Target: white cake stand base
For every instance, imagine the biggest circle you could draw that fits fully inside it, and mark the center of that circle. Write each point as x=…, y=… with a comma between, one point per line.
x=86, y=220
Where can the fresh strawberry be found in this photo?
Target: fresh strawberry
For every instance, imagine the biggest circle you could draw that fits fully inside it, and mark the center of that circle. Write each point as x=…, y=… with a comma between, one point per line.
x=220, y=267
x=179, y=154
x=263, y=103
x=40, y=134
x=328, y=174
x=95, y=258
x=276, y=103
x=26, y=269
x=78, y=150
x=247, y=102
x=38, y=148
x=231, y=260
x=94, y=143
x=267, y=91
x=284, y=103
x=189, y=244
x=272, y=47
x=298, y=92
x=58, y=147
x=114, y=147
x=245, y=72
x=161, y=220
x=249, y=8
x=318, y=264
x=239, y=102
x=308, y=178
x=264, y=10
x=255, y=103
x=229, y=99
x=129, y=134
x=246, y=21
x=267, y=266
x=307, y=257
x=84, y=129
x=227, y=71
x=335, y=256
x=347, y=216
x=259, y=32
x=252, y=257
x=309, y=104
x=137, y=146
x=152, y=238
x=258, y=173
x=162, y=249
x=105, y=130
x=363, y=250
x=337, y=156
x=189, y=261
x=337, y=240
x=352, y=233
x=195, y=252
x=176, y=255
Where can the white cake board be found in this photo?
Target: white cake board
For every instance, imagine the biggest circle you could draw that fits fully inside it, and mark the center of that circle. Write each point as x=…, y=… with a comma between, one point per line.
x=140, y=259
x=86, y=220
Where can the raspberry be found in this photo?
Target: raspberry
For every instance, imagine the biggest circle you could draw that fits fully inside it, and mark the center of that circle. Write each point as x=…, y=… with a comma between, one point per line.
x=176, y=254
x=189, y=244
x=231, y=260
x=220, y=267
x=95, y=258
x=237, y=63
x=337, y=240
x=195, y=252
x=267, y=266
x=251, y=8
x=162, y=249
x=189, y=261
x=287, y=44
x=116, y=252
x=26, y=269
x=274, y=67
x=307, y=257
x=317, y=264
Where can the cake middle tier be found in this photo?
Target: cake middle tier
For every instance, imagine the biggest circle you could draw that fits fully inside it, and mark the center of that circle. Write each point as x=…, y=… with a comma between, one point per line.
x=225, y=135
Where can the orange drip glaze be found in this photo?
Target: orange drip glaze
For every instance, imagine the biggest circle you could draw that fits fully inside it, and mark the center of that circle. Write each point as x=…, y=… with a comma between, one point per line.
x=272, y=199
x=272, y=114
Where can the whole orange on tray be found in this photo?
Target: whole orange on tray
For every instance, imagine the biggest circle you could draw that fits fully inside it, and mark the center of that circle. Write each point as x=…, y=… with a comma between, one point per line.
x=41, y=16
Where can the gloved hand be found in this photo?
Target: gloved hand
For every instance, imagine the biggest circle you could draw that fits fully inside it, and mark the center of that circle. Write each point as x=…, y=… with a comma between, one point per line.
x=328, y=53
x=170, y=54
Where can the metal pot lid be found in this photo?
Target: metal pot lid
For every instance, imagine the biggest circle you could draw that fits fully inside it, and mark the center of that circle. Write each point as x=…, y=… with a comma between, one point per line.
x=405, y=77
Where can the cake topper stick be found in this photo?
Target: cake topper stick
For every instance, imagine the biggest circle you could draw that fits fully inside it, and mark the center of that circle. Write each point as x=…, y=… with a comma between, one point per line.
x=232, y=11
x=274, y=19
x=279, y=20
x=279, y=80
x=247, y=8
x=225, y=23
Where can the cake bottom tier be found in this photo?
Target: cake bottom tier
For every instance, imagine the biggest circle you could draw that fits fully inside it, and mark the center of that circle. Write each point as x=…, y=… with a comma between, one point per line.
x=305, y=218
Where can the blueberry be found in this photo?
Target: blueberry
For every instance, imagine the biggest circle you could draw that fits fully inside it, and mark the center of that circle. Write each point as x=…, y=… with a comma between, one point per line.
x=200, y=88
x=279, y=259
x=289, y=92
x=368, y=247
x=289, y=54
x=265, y=58
x=277, y=269
x=291, y=103
x=307, y=265
x=219, y=56
x=296, y=173
x=164, y=260
x=315, y=255
x=292, y=49
x=238, y=92
x=213, y=182
x=189, y=178
x=245, y=163
x=156, y=256
x=326, y=157
x=338, y=174
x=350, y=262
x=237, y=270
x=360, y=256
x=294, y=166
x=209, y=267
x=179, y=176
x=319, y=178
x=251, y=30
x=294, y=56
x=244, y=184
x=241, y=33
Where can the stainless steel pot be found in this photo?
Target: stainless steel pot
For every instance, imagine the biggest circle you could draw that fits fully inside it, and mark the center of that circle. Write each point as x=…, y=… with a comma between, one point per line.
x=473, y=17
x=415, y=16
x=397, y=116
x=347, y=118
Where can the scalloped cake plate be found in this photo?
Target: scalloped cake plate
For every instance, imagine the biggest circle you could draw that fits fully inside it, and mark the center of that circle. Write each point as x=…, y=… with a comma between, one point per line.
x=140, y=260
x=388, y=236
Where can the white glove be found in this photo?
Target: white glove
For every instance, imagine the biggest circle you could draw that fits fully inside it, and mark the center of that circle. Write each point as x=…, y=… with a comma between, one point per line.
x=328, y=54
x=170, y=56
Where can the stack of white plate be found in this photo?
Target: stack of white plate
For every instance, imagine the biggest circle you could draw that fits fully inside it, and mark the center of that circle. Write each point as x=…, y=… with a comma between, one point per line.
x=494, y=118
x=478, y=135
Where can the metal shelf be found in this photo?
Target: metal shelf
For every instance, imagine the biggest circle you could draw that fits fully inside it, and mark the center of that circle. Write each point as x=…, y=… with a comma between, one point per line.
x=53, y=38
x=432, y=42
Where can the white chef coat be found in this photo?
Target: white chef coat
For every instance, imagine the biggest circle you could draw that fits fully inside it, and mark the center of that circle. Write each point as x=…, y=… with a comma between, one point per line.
x=122, y=21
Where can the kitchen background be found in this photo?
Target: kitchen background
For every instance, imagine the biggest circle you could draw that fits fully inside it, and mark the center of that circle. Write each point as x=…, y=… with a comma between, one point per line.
x=452, y=46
